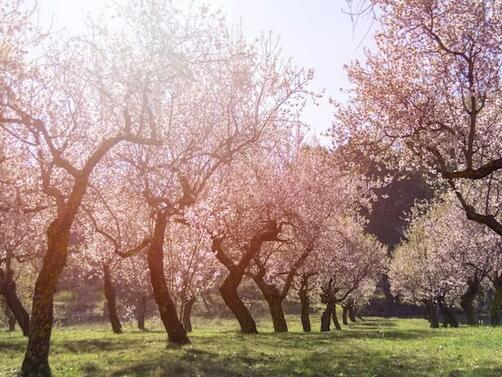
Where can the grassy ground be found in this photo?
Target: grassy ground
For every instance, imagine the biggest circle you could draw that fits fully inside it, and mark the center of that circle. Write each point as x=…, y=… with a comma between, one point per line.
x=375, y=347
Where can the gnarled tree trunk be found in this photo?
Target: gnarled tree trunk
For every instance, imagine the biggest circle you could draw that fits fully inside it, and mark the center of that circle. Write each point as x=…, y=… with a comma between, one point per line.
x=352, y=313
x=305, y=303
x=335, y=319
x=231, y=283
x=141, y=312
x=430, y=307
x=345, y=312
x=14, y=304
x=467, y=299
x=111, y=301
x=274, y=300
x=495, y=310
x=186, y=314
x=231, y=298
x=449, y=318
x=278, y=318
x=36, y=360
x=326, y=316
x=155, y=256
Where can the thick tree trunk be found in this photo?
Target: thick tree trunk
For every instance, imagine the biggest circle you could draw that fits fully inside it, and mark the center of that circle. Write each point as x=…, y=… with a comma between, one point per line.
x=278, y=318
x=467, y=299
x=430, y=308
x=141, y=312
x=36, y=360
x=335, y=319
x=231, y=297
x=175, y=331
x=274, y=301
x=352, y=313
x=111, y=301
x=326, y=316
x=186, y=314
x=452, y=319
x=229, y=286
x=14, y=304
x=305, y=306
x=345, y=312
x=449, y=318
x=495, y=310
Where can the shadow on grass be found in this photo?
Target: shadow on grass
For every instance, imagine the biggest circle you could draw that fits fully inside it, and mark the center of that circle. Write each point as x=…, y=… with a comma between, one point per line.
x=356, y=363
x=12, y=346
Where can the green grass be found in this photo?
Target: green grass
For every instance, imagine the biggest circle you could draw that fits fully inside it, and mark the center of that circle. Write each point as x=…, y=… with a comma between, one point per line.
x=375, y=347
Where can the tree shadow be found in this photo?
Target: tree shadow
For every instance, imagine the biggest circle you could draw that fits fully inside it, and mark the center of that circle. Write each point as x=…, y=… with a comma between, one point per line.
x=356, y=362
x=12, y=346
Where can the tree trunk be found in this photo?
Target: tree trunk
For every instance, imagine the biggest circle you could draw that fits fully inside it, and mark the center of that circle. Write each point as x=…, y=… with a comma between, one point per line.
x=467, y=299
x=326, y=316
x=187, y=312
x=305, y=304
x=36, y=359
x=352, y=313
x=448, y=316
x=430, y=307
x=345, y=312
x=452, y=319
x=495, y=310
x=141, y=312
x=231, y=297
x=229, y=286
x=278, y=318
x=111, y=302
x=14, y=304
x=176, y=333
x=335, y=319
x=274, y=301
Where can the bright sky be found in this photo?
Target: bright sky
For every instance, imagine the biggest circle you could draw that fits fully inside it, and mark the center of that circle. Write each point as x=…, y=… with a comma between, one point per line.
x=314, y=33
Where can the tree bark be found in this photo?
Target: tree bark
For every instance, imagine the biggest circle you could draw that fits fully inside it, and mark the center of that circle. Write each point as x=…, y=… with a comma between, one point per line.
x=36, y=360
x=274, y=300
x=345, y=312
x=231, y=283
x=14, y=304
x=467, y=299
x=305, y=303
x=326, y=316
x=430, y=307
x=278, y=318
x=495, y=310
x=352, y=313
x=186, y=314
x=176, y=333
x=448, y=315
x=111, y=301
x=335, y=319
x=141, y=312
x=231, y=298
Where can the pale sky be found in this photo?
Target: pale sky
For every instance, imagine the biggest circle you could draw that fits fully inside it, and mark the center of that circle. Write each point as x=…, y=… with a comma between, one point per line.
x=314, y=33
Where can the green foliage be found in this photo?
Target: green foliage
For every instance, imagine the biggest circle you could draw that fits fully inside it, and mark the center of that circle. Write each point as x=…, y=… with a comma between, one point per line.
x=372, y=348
